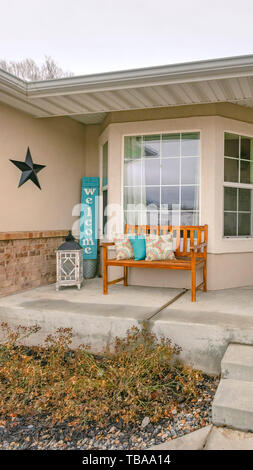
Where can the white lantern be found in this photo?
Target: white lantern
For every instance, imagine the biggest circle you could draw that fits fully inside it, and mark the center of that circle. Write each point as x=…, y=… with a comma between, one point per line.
x=69, y=263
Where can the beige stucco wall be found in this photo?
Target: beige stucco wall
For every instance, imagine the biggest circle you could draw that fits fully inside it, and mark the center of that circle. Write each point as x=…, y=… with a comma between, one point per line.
x=229, y=260
x=230, y=270
x=58, y=143
x=92, y=133
x=228, y=110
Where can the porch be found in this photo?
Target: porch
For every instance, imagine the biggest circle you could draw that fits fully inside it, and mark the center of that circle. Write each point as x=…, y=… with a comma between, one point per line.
x=203, y=329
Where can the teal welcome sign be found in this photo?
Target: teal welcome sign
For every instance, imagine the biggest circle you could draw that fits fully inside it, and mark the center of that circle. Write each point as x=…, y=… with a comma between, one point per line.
x=89, y=217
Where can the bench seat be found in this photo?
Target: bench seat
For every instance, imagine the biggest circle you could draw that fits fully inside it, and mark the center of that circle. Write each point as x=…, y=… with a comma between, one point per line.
x=173, y=264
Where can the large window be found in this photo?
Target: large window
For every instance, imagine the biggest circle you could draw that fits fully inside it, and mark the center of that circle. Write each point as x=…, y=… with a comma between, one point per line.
x=161, y=179
x=238, y=185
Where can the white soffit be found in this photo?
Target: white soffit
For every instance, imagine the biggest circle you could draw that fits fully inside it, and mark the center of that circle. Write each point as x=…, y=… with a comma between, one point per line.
x=95, y=118
x=88, y=98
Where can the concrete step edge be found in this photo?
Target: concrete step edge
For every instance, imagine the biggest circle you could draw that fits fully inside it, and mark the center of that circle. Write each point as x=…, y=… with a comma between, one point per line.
x=237, y=362
x=233, y=405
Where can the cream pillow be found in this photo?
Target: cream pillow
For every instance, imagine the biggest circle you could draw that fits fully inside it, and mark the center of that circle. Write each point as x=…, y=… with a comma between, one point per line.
x=123, y=247
x=167, y=246
x=159, y=248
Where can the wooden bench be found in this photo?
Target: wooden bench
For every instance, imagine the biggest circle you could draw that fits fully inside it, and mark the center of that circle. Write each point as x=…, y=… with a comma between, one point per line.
x=190, y=252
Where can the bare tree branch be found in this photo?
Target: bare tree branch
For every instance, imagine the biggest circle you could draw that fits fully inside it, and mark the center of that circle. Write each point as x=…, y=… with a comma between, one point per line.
x=27, y=69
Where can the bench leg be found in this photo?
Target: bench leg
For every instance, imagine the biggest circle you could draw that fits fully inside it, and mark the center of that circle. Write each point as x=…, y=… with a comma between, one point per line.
x=204, y=277
x=193, y=270
x=125, y=275
x=105, y=279
x=105, y=272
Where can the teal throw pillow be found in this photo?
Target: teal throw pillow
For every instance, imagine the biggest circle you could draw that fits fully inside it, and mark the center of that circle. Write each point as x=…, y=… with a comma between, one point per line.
x=139, y=247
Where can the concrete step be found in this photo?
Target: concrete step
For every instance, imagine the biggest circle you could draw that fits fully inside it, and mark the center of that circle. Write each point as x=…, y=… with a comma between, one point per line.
x=237, y=362
x=233, y=405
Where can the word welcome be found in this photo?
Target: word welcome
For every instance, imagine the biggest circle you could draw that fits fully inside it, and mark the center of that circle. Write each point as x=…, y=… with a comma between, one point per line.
x=88, y=229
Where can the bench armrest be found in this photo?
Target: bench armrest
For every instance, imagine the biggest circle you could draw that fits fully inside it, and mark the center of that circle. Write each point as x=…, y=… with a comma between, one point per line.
x=196, y=248
x=105, y=244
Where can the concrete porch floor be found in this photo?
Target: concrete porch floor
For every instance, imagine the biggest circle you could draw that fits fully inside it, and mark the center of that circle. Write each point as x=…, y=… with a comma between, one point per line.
x=203, y=329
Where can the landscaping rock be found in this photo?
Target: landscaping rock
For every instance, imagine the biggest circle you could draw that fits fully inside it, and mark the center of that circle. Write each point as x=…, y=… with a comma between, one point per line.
x=145, y=422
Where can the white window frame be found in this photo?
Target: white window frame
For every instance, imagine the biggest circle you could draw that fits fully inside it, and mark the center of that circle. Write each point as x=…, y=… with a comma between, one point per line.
x=227, y=184
x=161, y=133
x=101, y=233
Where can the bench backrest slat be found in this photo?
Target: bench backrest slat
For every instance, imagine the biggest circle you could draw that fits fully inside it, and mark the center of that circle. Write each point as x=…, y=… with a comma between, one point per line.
x=184, y=237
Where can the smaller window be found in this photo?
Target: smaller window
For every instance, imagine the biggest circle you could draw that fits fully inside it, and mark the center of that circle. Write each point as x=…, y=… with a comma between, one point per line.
x=237, y=212
x=231, y=147
x=238, y=161
x=238, y=187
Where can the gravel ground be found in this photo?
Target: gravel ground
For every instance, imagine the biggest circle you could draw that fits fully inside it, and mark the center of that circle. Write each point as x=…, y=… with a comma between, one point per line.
x=37, y=433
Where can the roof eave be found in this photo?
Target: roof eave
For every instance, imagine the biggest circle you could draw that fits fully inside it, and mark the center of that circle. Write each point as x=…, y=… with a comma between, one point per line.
x=166, y=74
x=175, y=73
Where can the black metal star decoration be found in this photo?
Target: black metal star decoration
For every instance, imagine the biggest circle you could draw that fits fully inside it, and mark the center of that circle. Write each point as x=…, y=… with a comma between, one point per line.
x=29, y=169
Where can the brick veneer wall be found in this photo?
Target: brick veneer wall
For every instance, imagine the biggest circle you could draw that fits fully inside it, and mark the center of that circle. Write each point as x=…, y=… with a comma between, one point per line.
x=27, y=259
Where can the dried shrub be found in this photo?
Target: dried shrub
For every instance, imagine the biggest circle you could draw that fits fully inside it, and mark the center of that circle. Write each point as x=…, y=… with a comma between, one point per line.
x=139, y=378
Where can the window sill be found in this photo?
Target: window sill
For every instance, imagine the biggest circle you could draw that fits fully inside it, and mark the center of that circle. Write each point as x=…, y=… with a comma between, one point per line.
x=238, y=238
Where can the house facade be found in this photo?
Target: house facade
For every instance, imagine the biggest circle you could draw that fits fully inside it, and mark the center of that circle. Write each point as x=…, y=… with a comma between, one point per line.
x=172, y=145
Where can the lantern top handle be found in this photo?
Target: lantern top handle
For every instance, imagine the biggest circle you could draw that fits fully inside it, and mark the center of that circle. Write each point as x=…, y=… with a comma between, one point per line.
x=70, y=244
x=69, y=237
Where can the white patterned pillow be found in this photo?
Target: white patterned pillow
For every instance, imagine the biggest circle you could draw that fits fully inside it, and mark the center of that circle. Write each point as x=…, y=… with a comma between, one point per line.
x=167, y=246
x=123, y=246
x=159, y=247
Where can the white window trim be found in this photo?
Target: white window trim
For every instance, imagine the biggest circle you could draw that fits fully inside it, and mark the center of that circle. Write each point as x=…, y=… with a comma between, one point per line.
x=102, y=188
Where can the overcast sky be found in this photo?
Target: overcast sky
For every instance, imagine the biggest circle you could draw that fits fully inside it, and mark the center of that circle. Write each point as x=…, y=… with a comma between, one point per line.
x=88, y=36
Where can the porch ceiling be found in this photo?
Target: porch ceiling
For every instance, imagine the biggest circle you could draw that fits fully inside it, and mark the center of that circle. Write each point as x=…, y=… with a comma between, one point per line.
x=88, y=98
